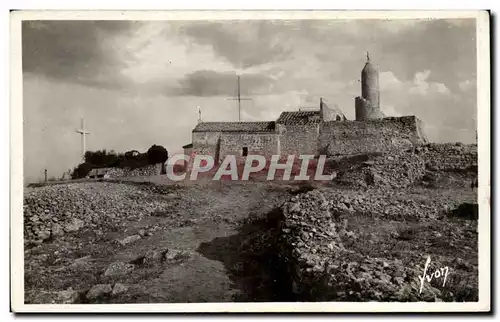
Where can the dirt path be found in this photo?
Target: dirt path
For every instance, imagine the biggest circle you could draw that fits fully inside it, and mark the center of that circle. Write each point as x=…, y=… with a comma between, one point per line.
x=218, y=230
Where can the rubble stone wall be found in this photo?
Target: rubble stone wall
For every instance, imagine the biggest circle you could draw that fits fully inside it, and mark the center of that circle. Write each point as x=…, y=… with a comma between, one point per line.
x=321, y=265
x=356, y=137
x=393, y=170
x=449, y=156
x=150, y=170
x=298, y=139
x=401, y=168
x=256, y=143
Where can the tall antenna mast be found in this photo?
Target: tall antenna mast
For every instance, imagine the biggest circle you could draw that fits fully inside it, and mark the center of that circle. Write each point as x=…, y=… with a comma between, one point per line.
x=239, y=99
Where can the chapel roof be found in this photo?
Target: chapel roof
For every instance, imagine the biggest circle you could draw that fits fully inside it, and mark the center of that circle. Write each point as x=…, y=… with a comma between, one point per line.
x=268, y=126
x=299, y=117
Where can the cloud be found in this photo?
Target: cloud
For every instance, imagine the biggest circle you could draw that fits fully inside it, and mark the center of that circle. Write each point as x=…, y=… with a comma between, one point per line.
x=467, y=85
x=421, y=86
x=212, y=83
x=73, y=50
x=389, y=81
x=243, y=43
x=441, y=46
x=448, y=116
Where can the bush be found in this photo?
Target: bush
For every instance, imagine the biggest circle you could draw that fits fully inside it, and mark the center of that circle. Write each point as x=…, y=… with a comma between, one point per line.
x=157, y=154
x=110, y=159
x=103, y=158
x=81, y=171
x=134, y=162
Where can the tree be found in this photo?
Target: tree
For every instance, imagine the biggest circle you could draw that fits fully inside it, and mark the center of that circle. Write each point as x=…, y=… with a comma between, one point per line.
x=81, y=170
x=131, y=154
x=158, y=154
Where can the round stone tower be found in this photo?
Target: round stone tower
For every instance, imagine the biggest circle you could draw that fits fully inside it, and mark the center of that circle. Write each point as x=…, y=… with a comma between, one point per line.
x=368, y=104
x=369, y=83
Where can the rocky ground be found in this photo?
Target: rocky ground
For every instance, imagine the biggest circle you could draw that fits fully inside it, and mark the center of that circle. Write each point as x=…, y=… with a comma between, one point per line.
x=346, y=246
x=101, y=242
x=112, y=242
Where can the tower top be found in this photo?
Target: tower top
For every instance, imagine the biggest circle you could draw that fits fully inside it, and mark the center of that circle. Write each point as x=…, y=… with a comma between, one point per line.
x=369, y=66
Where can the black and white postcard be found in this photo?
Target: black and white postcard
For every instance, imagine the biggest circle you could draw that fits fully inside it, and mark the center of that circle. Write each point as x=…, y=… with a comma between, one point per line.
x=250, y=161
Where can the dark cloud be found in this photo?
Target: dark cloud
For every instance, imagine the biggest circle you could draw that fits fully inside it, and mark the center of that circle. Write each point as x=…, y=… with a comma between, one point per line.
x=447, y=48
x=212, y=83
x=229, y=41
x=72, y=50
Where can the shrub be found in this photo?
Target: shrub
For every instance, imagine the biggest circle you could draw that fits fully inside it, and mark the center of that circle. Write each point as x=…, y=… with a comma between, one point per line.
x=157, y=154
x=81, y=171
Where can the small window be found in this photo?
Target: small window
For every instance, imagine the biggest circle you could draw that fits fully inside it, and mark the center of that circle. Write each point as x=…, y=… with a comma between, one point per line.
x=245, y=151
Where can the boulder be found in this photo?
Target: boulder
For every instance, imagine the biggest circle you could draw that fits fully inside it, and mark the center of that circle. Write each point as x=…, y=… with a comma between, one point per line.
x=74, y=225
x=129, y=239
x=119, y=288
x=154, y=256
x=118, y=269
x=98, y=291
x=57, y=230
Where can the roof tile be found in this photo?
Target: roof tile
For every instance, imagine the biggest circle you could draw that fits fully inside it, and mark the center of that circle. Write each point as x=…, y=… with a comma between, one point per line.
x=299, y=117
x=235, y=127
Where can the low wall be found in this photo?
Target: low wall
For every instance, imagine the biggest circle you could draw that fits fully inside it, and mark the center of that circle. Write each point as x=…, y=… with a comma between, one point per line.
x=150, y=170
x=401, y=168
x=397, y=169
x=449, y=156
x=322, y=263
x=356, y=137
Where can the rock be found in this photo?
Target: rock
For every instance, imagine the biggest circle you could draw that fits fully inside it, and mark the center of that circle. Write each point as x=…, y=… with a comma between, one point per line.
x=118, y=289
x=118, y=269
x=129, y=239
x=36, y=242
x=81, y=260
x=304, y=236
x=173, y=254
x=154, y=256
x=98, y=291
x=399, y=280
x=141, y=232
x=295, y=207
x=57, y=230
x=74, y=225
x=43, y=234
x=68, y=296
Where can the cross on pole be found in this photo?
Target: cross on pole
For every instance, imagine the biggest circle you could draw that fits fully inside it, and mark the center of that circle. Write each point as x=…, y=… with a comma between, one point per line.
x=83, y=133
x=239, y=99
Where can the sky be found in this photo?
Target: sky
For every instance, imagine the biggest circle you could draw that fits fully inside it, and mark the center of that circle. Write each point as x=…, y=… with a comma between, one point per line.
x=138, y=83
